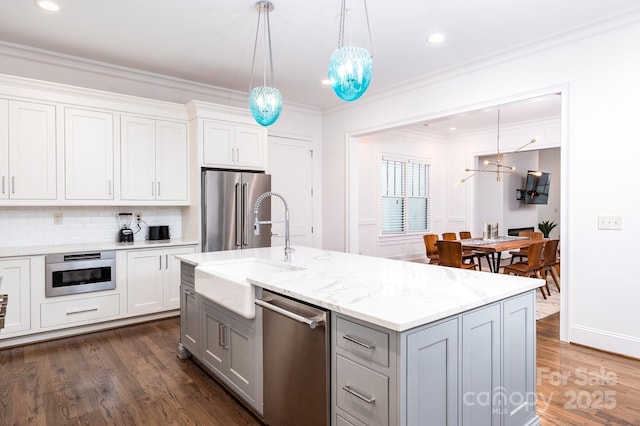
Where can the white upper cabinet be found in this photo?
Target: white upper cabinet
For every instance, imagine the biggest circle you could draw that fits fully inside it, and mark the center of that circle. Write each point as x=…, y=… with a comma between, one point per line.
x=27, y=151
x=172, y=169
x=233, y=145
x=153, y=160
x=88, y=147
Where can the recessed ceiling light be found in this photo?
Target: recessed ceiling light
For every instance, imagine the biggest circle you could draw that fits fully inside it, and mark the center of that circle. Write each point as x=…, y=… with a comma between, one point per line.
x=436, y=38
x=49, y=5
x=453, y=128
x=326, y=82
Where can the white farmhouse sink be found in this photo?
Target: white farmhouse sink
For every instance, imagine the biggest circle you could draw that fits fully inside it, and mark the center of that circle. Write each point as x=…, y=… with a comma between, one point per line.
x=226, y=283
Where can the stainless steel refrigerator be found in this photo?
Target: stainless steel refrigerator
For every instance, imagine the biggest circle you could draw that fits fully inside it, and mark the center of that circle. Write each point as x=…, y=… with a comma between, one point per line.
x=227, y=209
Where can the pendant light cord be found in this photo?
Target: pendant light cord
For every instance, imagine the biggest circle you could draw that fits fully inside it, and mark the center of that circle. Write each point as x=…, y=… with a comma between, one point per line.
x=343, y=12
x=267, y=39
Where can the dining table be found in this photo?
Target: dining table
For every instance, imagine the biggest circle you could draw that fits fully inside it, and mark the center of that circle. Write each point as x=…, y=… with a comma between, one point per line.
x=495, y=247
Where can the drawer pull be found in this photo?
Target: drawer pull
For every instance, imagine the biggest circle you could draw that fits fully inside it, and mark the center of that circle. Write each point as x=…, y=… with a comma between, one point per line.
x=358, y=342
x=348, y=389
x=80, y=311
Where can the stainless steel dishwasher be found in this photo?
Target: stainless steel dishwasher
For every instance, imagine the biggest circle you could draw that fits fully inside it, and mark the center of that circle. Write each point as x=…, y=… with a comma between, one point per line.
x=296, y=364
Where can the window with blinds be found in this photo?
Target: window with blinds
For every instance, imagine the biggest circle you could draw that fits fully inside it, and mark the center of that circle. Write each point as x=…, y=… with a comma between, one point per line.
x=405, y=196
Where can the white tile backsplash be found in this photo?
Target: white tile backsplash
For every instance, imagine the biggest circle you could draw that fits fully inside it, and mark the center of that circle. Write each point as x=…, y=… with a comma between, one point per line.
x=34, y=226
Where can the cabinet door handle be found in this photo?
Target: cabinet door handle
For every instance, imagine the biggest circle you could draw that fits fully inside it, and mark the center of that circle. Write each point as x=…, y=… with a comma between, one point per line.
x=158, y=188
x=238, y=155
x=13, y=184
x=3, y=178
x=358, y=342
x=348, y=389
x=110, y=188
x=153, y=189
x=166, y=261
x=233, y=155
x=188, y=291
x=221, y=334
x=160, y=262
x=226, y=337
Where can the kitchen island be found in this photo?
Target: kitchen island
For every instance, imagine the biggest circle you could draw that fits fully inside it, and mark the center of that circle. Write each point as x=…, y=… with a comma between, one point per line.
x=418, y=344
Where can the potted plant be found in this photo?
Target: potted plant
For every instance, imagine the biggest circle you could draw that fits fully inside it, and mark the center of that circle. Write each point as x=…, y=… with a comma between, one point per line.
x=546, y=227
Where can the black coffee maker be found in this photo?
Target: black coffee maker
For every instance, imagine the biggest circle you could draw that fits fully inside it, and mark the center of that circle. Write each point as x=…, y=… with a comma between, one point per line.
x=125, y=235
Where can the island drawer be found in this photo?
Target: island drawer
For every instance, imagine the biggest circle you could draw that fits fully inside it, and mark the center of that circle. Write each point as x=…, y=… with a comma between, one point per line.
x=364, y=342
x=79, y=310
x=361, y=392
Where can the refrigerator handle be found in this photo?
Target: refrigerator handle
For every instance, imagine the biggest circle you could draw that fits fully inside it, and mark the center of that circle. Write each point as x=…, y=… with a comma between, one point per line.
x=245, y=203
x=239, y=219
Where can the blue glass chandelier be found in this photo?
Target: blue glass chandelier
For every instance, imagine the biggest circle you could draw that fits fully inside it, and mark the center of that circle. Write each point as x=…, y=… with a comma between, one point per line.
x=265, y=102
x=350, y=67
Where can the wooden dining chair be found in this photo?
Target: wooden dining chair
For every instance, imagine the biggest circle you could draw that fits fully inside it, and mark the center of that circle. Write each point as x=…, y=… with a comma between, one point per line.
x=549, y=262
x=531, y=267
x=431, y=248
x=521, y=254
x=468, y=256
x=466, y=235
x=450, y=253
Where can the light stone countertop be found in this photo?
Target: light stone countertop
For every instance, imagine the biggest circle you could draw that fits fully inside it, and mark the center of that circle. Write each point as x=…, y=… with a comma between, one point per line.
x=393, y=294
x=90, y=247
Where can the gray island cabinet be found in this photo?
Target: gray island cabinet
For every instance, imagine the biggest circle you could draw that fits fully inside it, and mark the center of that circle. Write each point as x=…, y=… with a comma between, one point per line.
x=411, y=344
x=476, y=368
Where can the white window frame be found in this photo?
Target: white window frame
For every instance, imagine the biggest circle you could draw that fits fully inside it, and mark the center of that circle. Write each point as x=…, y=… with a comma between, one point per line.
x=405, y=197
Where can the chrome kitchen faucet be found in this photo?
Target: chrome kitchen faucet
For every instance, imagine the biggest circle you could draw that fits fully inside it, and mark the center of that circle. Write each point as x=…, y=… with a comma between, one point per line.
x=256, y=223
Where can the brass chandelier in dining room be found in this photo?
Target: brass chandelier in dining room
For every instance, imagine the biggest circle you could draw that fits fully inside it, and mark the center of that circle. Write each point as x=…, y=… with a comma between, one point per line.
x=498, y=166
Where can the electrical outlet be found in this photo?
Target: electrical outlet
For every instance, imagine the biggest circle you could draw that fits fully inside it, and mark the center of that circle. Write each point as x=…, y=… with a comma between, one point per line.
x=57, y=218
x=138, y=217
x=609, y=222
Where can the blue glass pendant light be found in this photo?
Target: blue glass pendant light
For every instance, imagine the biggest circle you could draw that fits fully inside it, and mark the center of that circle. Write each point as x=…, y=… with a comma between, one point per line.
x=265, y=102
x=350, y=67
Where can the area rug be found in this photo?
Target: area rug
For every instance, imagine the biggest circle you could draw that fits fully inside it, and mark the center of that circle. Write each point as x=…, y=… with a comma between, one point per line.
x=550, y=305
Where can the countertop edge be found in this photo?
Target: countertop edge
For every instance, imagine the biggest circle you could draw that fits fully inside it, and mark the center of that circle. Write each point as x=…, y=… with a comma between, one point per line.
x=89, y=247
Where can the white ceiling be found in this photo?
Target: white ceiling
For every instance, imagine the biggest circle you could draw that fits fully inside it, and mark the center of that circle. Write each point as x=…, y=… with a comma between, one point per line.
x=211, y=41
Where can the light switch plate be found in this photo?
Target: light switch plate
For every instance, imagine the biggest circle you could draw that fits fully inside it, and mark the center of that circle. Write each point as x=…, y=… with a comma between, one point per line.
x=609, y=222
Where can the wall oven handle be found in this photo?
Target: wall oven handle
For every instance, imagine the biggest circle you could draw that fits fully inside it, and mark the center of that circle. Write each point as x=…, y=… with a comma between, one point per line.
x=310, y=322
x=81, y=311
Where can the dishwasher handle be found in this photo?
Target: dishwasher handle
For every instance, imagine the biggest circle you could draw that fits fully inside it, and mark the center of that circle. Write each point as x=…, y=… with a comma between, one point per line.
x=310, y=322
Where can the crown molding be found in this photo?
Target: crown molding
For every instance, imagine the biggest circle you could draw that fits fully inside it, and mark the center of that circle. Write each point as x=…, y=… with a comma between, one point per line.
x=206, y=92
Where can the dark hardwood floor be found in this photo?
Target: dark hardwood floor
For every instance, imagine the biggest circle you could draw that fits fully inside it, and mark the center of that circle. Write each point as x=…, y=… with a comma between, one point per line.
x=131, y=376
x=125, y=376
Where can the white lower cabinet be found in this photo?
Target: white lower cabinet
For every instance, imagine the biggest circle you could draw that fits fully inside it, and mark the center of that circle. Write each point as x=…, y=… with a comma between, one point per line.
x=476, y=368
x=153, y=279
x=15, y=281
x=74, y=312
x=228, y=349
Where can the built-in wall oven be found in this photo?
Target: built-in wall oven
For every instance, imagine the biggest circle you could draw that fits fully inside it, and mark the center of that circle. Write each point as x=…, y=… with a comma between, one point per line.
x=74, y=273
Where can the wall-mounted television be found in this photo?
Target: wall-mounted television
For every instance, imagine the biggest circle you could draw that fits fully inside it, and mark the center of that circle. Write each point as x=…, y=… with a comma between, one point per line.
x=536, y=188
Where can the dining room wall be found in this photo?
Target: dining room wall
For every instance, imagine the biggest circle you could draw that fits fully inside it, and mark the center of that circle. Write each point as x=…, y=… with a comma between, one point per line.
x=591, y=68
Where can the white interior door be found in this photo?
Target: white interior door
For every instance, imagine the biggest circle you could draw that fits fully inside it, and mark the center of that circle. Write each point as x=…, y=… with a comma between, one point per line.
x=291, y=169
